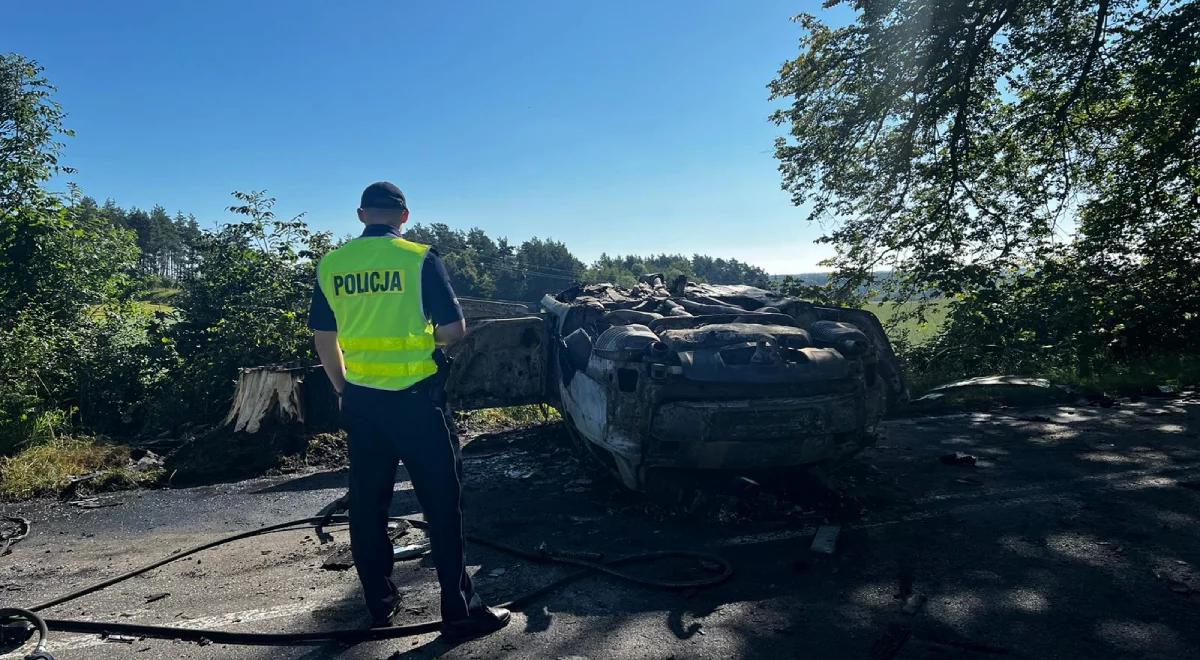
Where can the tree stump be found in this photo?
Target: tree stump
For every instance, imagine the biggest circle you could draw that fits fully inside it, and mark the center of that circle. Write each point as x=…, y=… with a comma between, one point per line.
x=266, y=395
x=273, y=411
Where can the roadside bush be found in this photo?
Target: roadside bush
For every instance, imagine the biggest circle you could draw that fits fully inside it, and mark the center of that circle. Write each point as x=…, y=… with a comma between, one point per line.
x=248, y=306
x=35, y=380
x=1074, y=318
x=70, y=339
x=126, y=361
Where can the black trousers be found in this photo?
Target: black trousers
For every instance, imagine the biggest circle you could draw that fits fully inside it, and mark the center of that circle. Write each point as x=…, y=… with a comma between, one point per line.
x=412, y=426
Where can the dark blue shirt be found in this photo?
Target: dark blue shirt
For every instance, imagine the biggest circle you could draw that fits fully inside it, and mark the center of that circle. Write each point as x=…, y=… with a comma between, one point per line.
x=437, y=296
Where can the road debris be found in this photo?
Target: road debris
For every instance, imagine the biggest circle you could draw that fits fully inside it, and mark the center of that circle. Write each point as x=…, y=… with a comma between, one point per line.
x=914, y=603
x=1178, y=575
x=411, y=551
x=148, y=463
x=341, y=558
x=94, y=503
x=825, y=541
x=958, y=459
x=157, y=597
x=12, y=530
x=515, y=473
x=496, y=572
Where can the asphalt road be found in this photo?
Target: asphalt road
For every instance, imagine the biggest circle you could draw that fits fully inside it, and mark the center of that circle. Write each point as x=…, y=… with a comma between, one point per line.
x=1074, y=535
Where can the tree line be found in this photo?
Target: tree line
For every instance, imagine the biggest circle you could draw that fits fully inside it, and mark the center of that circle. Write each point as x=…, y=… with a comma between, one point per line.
x=124, y=322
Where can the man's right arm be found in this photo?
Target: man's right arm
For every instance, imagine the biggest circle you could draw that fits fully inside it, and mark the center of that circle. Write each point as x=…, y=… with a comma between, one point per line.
x=331, y=358
x=324, y=326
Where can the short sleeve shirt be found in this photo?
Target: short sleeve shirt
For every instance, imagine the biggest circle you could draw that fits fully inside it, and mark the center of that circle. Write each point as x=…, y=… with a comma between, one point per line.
x=437, y=296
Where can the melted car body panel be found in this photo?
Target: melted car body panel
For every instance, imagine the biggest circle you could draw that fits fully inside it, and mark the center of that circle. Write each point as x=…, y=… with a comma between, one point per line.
x=691, y=376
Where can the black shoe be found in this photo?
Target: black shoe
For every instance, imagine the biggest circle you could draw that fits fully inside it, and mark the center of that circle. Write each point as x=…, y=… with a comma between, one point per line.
x=394, y=607
x=386, y=621
x=484, y=622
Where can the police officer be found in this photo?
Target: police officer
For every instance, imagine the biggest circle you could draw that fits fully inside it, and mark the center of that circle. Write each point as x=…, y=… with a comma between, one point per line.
x=381, y=312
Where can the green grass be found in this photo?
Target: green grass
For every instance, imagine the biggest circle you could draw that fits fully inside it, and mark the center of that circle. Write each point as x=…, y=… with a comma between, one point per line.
x=919, y=333
x=1141, y=376
x=158, y=299
x=160, y=294
x=48, y=468
x=154, y=307
x=512, y=417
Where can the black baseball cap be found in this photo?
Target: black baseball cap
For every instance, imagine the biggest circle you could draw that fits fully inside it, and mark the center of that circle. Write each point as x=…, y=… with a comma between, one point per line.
x=383, y=195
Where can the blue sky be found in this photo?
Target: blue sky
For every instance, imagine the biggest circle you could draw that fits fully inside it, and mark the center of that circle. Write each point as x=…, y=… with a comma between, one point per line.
x=618, y=126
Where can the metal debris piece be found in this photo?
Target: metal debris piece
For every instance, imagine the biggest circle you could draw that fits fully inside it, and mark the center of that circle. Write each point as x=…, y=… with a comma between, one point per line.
x=409, y=551
x=157, y=597
x=825, y=542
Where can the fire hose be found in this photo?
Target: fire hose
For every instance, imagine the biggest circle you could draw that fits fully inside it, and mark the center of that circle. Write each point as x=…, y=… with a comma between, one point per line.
x=719, y=570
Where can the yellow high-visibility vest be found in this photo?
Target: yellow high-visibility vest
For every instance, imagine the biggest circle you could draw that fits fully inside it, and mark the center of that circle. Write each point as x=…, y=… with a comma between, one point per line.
x=373, y=285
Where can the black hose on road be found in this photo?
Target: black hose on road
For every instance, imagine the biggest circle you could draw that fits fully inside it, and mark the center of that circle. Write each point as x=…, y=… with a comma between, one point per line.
x=39, y=651
x=722, y=572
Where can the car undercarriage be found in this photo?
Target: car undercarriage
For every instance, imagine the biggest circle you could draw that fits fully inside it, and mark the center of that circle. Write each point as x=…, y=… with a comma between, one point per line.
x=688, y=376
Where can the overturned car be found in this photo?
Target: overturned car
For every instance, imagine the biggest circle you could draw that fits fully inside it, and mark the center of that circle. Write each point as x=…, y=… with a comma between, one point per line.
x=690, y=376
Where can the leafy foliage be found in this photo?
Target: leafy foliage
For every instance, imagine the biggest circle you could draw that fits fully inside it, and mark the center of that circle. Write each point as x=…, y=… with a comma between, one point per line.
x=959, y=143
x=31, y=131
x=246, y=306
x=67, y=348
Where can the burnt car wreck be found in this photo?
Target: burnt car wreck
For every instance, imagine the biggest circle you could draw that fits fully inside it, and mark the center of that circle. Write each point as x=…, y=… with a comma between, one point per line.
x=688, y=376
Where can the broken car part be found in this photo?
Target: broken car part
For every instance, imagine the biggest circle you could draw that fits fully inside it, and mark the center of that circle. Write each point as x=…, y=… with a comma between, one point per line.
x=709, y=377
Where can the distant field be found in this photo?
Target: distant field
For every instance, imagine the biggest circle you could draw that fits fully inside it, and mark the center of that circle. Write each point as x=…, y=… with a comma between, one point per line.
x=158, y=299
x=935, y=317
x=160, y=294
